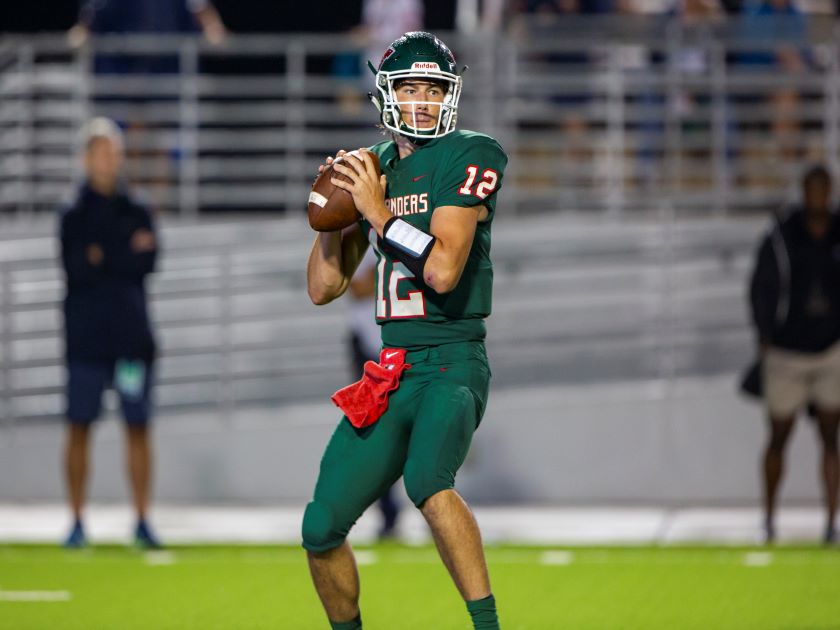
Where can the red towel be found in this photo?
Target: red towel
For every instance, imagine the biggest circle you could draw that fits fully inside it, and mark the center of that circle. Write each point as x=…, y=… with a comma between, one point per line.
x=365, y=401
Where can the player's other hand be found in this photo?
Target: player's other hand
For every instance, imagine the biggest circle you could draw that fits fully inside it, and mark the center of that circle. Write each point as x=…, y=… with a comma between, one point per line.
x=368, y=189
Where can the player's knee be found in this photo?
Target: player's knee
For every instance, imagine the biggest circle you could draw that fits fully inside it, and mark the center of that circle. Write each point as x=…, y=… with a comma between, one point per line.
x=421, y=483
x=437, y=504
x=319, y=529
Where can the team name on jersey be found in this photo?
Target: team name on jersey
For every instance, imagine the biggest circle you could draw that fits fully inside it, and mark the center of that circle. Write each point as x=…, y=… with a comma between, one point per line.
x=408, y=204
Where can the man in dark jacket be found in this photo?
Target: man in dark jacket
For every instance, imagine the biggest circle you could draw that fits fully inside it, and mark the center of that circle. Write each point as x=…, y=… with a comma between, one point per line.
x=108, y=247
x=795, y=295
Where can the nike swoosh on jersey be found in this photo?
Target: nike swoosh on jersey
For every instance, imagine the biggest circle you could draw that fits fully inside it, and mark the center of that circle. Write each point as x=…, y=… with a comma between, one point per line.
x=388, y=355
x=418, y=178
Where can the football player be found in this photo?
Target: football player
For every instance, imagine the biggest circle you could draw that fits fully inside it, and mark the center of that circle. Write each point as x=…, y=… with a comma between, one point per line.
x=428, y=218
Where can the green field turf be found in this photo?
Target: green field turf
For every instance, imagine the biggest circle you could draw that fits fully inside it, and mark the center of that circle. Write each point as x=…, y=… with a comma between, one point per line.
x=674, y=588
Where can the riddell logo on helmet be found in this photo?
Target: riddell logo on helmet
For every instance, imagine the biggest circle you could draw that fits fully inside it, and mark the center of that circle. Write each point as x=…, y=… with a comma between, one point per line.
x=425, y=65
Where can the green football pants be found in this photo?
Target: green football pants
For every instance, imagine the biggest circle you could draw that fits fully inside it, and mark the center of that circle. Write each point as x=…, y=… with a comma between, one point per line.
x=424, y=436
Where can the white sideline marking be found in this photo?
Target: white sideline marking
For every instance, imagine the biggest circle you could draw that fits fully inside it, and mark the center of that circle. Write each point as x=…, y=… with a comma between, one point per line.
x=557, y=558
x=35, y=596
x=365, y=557
x=758, y=559
x=159, y=558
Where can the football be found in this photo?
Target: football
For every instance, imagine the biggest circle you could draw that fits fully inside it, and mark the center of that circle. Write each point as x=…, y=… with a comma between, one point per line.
x=330, y=207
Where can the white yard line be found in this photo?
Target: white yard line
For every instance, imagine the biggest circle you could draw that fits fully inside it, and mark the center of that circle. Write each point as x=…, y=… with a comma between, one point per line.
x=159, y=558
x=365, y=557
x=758, y=559
x=557, y=558
x=35, y=596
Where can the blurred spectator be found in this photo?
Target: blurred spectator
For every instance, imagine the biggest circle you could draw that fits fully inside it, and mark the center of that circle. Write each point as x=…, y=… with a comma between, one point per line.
x=778, y=27
x=477, y=15
x=552, y=7
x=108, y=247
x=768, y=20
x=696, y=16
x=149, y=164
x=795, y=295
x=733, y=7
x=383, y=21
x=547, y=7
x=641, y=162
x=365, y=338
x=689, y=104
x=365, y=343
x=147, y=16
x=560, y=117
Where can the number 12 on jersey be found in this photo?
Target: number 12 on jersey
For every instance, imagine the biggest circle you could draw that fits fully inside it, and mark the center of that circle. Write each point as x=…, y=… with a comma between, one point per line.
x=388, y=302
x=489, y=180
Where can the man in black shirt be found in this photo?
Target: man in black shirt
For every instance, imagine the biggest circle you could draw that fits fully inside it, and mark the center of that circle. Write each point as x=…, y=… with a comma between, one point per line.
x=795, y=296
x=108, y=247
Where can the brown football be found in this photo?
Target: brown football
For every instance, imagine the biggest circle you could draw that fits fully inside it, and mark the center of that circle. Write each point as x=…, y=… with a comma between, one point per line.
x=330, y=207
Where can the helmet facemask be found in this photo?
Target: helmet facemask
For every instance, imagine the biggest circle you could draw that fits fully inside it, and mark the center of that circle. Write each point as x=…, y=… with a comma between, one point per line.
x=392, y=109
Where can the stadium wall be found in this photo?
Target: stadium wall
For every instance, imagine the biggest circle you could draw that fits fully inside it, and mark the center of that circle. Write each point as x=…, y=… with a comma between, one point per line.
x=692, y=441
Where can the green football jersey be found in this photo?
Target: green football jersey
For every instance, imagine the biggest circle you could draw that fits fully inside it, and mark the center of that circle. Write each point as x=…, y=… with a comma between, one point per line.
x=462, y=169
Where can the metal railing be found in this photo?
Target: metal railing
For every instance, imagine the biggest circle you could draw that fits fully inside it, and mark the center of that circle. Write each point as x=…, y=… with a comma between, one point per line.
x=232, y=319
x=575, y=301
x=594, y=117
x=595, y=113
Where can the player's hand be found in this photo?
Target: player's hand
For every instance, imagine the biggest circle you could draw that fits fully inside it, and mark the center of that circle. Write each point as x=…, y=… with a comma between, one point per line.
x=330, y=160
x=367, y=189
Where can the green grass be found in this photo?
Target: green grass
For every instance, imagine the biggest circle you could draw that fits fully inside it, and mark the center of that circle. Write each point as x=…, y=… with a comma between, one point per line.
x=404, y=588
